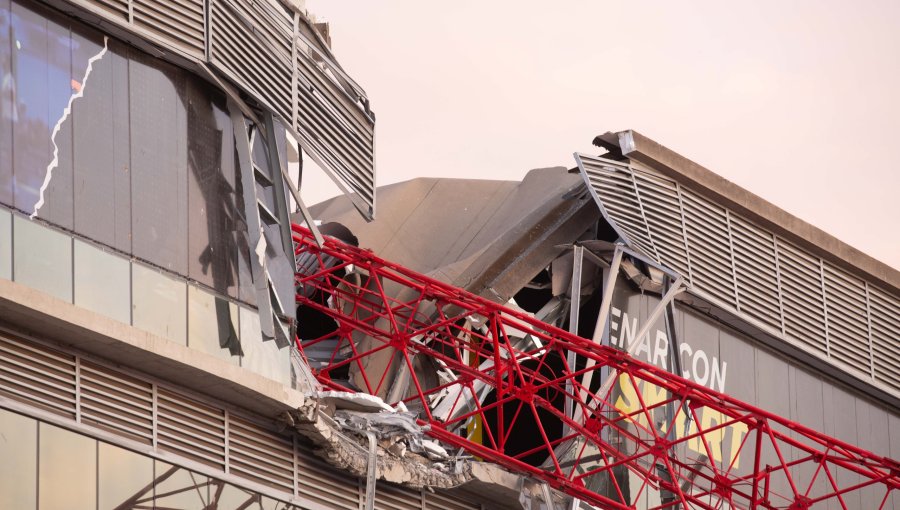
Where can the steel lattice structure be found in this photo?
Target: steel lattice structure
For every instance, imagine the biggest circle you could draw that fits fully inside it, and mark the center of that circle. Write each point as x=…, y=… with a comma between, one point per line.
x=477, y=373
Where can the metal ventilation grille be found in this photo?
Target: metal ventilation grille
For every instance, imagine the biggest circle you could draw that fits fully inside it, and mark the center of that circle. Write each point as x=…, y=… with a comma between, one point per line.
x=322, y=483
x=612, y=186
x=257, y=454
x=662, y=210
x=116, y=402
x=334, y=128
x=253, y=51
x=40, y=377
x=436, y=501
x=191, y=429
x=117, y=8
x=275, y=56
x=848, y=328
x=885, y=325
x=756, y=272
x=711, y=264
x=804, y=309
x=180, y=22
x=146, y=413
x=392, y=497
x=743, y=267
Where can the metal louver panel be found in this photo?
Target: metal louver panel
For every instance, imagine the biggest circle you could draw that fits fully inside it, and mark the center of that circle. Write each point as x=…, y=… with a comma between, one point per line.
x=191, y=429
x=848, y=330
x=320, y=482
x=152, y=418
x=756, y=272
x=710, y=260
x=116, y=402
x=885, y=325
x=747, y=269
x=253, y=53
x=180, y=22
x=258, y=455
x=804, y=308
x=436, y=501
x=662, y=210
x=40, y=377
x=275, y=56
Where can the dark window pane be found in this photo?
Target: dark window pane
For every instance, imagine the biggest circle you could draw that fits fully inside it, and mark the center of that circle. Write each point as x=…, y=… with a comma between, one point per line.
x=102, y=180
x=213, y=325
x=158, y=158
x=124, y=475
x=18, y=461
x=212, y=252
x=67, y=470
x=42, y=258
x=102, y=282
x=8, y=110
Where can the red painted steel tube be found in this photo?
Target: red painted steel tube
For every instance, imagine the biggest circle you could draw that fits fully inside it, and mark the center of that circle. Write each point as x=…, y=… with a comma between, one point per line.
x=465, y=357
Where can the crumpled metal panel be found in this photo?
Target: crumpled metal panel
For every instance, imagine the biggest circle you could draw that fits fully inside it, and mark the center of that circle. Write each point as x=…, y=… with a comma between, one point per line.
x=773, y=284
x=274, y=55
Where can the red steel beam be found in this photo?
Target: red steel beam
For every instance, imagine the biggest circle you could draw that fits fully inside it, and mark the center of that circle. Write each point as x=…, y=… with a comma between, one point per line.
x=654, y=440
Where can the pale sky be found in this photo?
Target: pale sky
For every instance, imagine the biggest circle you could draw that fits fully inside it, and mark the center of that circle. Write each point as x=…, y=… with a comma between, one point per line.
x=799, y=102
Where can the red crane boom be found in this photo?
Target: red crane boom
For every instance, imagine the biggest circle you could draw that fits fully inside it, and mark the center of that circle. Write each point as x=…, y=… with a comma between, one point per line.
x=480, y=374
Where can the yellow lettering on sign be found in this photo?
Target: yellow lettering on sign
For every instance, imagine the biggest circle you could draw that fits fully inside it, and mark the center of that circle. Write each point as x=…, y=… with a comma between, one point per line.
x=723, y=442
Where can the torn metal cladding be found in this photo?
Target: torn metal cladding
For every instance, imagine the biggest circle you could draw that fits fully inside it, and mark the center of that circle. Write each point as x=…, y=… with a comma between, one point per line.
x=736, y=258
x=271, y=52
x=498, y=367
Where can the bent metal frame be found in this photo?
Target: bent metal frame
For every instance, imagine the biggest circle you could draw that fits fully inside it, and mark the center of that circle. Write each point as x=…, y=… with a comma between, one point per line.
x=479, y=347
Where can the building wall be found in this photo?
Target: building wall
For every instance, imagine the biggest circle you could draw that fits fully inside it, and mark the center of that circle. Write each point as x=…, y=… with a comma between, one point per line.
x=720, y=357
x=141, y=214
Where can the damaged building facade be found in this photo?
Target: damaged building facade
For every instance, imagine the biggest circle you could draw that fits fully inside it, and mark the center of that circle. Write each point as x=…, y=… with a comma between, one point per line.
x=178, y=330
x=149, y=155
x=641, y=251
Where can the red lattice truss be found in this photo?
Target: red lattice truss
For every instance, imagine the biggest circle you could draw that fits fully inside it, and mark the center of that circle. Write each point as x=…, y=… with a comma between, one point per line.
x=718, y=452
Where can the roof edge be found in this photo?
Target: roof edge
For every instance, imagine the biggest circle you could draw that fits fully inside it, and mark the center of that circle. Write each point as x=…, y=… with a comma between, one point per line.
x=704, y=181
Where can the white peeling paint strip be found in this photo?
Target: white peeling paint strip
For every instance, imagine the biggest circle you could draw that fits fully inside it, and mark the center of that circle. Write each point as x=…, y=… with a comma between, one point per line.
x=68, y=111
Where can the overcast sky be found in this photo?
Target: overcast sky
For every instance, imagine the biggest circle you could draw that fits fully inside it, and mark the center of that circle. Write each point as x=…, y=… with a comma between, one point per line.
x=798, y=102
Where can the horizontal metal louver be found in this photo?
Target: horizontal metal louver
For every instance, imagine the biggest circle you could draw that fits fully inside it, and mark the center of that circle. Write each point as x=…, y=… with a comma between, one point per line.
x=745, y=268
x=662, y=210
x=116, y=8
x=804, y=307
x=437, y=501
x=277, y=57
x=613, y=189
x=253, y=47
x=38, y=376
x=116, y=402
x=392, y=497
x=179, y=22
x=256, y=453
x=333, y=127
x=323, y=483
x=885, y=319
x=707, y=232
x=756, y=272
x=848, y=329
x=191, y=429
